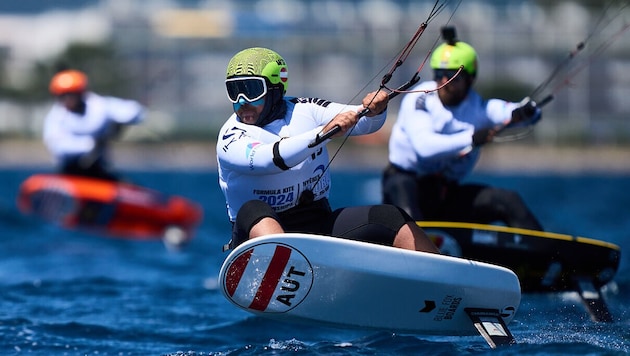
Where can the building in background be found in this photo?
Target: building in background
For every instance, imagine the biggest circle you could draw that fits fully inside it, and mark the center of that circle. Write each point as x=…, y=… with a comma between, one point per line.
x=175, y=53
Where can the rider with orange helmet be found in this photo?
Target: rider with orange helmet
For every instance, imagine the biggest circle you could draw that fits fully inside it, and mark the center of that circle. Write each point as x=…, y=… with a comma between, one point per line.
x=436, y=142
x=80, y=124
x=68, y=81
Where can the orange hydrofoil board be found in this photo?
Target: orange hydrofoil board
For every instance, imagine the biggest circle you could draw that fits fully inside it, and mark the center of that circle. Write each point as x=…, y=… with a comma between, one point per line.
x=116, y=209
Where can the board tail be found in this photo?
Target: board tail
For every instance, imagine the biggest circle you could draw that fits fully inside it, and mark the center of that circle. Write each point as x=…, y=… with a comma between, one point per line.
x=594, y=302
x=491, y=326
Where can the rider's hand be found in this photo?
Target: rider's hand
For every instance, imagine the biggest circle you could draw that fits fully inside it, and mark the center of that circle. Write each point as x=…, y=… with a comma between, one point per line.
x=344, y=120
x=527, y=113
x=376, y=102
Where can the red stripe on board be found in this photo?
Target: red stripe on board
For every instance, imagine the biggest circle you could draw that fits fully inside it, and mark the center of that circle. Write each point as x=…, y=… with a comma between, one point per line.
x=235, y=272
x=272, y=277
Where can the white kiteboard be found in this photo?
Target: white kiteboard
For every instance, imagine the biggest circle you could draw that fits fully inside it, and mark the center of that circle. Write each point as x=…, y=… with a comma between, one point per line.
x=330, y=281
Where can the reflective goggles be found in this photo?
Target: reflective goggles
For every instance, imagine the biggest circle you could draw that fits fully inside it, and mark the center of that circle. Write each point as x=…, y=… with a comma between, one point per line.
x=448, y=73
x=250, y=88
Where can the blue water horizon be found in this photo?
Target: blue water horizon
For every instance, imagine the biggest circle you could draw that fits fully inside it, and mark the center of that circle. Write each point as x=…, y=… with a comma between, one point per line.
x=67, y=292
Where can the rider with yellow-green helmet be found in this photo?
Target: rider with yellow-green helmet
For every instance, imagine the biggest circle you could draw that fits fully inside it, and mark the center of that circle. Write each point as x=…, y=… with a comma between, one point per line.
x=454, y=62
x=436, y=141
x=455, y=54
x=275, y=179
x=257, y=74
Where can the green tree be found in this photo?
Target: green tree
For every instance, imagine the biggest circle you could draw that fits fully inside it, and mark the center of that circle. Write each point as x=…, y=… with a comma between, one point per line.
x=105, y=71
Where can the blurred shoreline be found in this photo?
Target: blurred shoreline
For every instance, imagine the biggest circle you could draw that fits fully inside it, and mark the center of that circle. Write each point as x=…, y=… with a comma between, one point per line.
x=187, y=155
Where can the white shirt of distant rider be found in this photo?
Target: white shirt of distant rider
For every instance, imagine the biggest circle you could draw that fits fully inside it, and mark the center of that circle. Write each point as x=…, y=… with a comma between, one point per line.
x=68, y=134
x=430, y=138
x=245, y=154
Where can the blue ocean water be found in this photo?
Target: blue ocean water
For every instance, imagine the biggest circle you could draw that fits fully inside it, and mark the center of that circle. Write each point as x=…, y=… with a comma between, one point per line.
x=73, y=293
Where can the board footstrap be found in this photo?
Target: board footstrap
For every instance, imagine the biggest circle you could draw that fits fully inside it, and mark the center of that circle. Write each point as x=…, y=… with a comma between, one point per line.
x=594, y=302
x=491, y=326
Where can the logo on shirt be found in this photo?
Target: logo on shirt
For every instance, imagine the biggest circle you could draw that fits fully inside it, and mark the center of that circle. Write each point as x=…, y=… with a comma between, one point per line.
x=234, y=134
x=421, y=102
x=250, y=147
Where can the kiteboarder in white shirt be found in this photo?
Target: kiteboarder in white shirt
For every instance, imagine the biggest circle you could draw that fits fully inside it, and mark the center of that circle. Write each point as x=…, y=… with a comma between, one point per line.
x=78, y=128
x=436, y=142
x=273, y=181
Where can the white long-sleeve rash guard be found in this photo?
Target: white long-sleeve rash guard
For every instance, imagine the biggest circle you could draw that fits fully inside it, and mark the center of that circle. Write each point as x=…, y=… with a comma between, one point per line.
x=245, y=154
x=68, y=134
x=430, y=138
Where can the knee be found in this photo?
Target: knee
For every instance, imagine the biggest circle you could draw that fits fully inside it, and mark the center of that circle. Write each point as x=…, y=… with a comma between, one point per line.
x=408, y=234
x=250, y=214
x=390, y=216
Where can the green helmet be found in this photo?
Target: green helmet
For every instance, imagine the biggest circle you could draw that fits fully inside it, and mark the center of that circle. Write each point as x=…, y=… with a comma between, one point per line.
x=260, y=62
x=448, y=56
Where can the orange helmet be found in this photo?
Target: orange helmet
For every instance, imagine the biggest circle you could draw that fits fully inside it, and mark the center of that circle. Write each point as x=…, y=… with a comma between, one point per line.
x=68, y=81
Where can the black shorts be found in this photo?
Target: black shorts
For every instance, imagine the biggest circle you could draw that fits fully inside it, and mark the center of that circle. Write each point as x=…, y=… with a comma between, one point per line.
x=372, y=223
